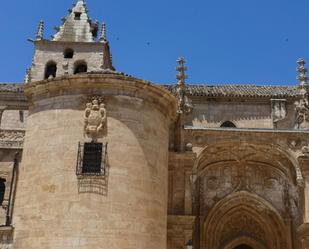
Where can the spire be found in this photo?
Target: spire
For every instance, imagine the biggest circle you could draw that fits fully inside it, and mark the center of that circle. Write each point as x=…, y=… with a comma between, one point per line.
x=302, y=75
x=77, y=26
x=40, y=31
x=184, y=103
x=103, y=37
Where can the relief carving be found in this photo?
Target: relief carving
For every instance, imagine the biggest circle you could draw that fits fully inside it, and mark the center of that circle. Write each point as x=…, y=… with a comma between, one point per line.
x=95, y=119
x=302, y=113
x=278, y=107
x=217, y=182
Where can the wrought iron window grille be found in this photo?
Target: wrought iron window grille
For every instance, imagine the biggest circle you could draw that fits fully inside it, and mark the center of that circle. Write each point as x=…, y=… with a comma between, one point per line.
x=91, y=159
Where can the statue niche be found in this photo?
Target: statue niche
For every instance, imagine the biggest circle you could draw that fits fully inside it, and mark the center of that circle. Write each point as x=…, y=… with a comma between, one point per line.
x=95, y=119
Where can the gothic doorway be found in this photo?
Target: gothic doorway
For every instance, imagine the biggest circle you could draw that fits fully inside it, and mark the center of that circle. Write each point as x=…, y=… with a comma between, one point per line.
x=244, y=196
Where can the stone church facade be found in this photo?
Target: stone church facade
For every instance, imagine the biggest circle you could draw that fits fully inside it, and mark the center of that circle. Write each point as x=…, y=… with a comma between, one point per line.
x=93, y=158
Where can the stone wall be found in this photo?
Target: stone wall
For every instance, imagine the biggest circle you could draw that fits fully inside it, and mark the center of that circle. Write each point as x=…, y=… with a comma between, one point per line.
x=247, y=114
x=14, y=119
x=131, y=211
x=91, y=53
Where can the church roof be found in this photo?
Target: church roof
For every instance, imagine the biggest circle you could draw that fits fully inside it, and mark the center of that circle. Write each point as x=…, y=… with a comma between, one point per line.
x=207, y=90
x=77, y=26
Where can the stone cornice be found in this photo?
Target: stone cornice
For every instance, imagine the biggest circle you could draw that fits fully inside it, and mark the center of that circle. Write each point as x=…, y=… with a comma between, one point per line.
x=112, y=84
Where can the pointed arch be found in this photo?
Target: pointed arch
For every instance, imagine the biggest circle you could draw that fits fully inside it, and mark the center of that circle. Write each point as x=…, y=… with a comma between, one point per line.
x=243, y=217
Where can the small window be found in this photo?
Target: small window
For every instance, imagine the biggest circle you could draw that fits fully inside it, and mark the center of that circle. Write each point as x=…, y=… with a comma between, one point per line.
x=68, y=53
x=77, y=15
x=80, y=67
x=92, y=158
x=50, y=70
x=21, y=116
x=228, y=124
x=2, y=190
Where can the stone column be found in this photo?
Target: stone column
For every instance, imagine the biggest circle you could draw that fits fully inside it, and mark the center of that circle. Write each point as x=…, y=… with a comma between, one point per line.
x=132, y=213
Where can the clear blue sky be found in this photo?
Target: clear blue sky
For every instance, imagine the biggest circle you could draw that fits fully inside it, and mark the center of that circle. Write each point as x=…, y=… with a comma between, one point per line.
x=227, y=41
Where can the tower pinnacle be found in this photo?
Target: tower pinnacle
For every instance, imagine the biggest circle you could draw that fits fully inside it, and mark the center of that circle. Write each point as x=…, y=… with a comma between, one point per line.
x=103, y=37
x=181, y=68
x=184, y=103
x=40, y=31
x=77, y=26
x=302, y=74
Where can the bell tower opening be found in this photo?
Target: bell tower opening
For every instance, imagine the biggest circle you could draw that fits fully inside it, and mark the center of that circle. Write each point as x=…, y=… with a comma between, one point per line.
x=243, y=246
x=80, y=67
x=50, y=70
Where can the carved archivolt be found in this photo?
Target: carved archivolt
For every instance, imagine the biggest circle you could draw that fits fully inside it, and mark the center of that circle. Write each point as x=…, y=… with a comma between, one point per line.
x=247, y=216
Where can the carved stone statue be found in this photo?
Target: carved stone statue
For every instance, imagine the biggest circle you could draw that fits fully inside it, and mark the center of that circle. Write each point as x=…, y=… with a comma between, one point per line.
x=95, y=119
x=302, y=113
x=279, y=111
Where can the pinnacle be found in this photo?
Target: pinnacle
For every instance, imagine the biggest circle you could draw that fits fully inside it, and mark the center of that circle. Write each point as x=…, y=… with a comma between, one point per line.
x=77, y=26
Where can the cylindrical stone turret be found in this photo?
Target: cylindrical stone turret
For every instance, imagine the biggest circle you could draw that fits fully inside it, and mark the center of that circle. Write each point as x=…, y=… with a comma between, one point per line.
x=125, y=209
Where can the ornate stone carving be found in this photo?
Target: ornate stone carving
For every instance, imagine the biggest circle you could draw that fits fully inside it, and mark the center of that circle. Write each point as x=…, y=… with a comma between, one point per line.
x=278, y=107
x=219, y=181
x=11, y=138
x=95, y=119
x=302, y=113
x=184, y=103
x=12, y=135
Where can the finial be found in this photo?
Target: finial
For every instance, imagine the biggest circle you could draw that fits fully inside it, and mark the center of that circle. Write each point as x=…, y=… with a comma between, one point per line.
x=302, y=74
x=40, y=31
x=181, y=68
x=28, y=76
x=103, y=37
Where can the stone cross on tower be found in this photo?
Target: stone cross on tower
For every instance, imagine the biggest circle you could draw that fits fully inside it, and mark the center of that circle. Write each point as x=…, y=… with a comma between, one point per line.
x=302, y=75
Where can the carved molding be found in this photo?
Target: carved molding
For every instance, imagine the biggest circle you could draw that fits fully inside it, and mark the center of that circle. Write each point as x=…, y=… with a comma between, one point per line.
x=246, y=210
x=12, y=139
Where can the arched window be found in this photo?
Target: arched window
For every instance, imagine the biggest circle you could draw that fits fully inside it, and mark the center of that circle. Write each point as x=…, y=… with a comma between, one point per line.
x=228, y=124
x=80, y=67
x=50, y=70
x=68, y=53
x=2, y=190
x=243, y=246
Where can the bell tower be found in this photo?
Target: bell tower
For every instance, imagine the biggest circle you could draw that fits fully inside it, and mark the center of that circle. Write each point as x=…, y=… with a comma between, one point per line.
x=75, y=48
